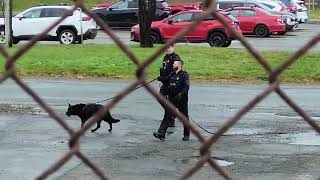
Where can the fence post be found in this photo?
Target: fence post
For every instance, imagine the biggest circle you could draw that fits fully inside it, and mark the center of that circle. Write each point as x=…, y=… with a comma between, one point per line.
x=8, y=22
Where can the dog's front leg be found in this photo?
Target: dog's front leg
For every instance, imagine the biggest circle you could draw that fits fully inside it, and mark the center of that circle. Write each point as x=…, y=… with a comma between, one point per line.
x=110, y=124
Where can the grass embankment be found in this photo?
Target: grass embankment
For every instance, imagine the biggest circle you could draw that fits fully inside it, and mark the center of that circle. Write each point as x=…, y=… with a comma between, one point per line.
x=202, y=63
x=314, y=14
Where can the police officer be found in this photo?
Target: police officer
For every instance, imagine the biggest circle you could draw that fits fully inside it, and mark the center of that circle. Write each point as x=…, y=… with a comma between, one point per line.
x=178, y=95
x=165, y=70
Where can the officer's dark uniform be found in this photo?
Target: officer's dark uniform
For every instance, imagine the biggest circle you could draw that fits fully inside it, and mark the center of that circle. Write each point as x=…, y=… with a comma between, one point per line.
x=178, y=95
x=165, y=71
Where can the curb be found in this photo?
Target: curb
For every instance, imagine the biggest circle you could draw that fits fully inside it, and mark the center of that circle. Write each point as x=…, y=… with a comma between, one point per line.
x=313, y=22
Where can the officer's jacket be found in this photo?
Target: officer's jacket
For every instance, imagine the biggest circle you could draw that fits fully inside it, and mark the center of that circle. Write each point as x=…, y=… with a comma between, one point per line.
x=179, y=83
x=167, y=65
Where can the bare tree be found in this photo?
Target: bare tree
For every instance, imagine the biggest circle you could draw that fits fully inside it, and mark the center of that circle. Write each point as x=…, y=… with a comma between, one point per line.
x=147, y=10
x=8, y=22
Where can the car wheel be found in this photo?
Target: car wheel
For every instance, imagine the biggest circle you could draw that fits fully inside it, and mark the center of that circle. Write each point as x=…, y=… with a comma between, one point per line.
x=217, y=39
x=154, y=37
x=261, y=31
x=67, y=36
x=227, y=44
x=2, y=36
x=15, y=41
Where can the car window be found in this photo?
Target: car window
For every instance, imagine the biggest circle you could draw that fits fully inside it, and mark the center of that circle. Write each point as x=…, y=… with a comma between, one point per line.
x=249, y=5
x=133, y=4
x=287, y=2
x=182, y=17
x=120, y=5
x=248, y=13
x=34, y=13
x=196, y=16
x=224, y=5
x=232, y=17
x=53, y=12
x=234, y=13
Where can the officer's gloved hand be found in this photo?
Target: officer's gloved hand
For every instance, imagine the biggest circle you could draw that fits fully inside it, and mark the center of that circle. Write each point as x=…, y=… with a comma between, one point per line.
x=160, y=78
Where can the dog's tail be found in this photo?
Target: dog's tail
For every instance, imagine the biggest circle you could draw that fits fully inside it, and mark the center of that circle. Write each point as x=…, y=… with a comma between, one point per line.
x=115, y=120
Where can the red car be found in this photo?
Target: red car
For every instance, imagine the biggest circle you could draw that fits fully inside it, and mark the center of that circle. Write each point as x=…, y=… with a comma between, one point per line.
x=254, y=20
x=210, y=30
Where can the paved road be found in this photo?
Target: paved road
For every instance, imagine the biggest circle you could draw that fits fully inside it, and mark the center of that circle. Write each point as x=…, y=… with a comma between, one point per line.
x=271, y=142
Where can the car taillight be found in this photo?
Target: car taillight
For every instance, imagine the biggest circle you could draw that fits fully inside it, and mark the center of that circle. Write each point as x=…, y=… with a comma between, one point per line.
x=86, y=18
x=291, y=8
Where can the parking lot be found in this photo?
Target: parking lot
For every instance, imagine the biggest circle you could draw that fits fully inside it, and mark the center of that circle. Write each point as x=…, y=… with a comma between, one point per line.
x=288, y=42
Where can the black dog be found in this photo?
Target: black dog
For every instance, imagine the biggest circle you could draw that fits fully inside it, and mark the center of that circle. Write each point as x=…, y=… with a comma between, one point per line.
x=85, y=111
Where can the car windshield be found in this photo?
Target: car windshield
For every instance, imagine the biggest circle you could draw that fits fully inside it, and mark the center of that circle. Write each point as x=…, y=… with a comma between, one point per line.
x=287, y=2
x=230, y=16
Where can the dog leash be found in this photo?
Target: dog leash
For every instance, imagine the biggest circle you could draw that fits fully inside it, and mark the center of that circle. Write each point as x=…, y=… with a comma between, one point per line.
x=133, y=90
x=201, y=127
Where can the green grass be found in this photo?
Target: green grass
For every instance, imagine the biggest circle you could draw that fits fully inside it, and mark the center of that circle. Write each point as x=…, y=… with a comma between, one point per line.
x=314, y=14
x=202, y=63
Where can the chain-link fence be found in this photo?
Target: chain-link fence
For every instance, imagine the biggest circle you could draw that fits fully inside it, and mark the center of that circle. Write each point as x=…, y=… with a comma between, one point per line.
x=274, y=86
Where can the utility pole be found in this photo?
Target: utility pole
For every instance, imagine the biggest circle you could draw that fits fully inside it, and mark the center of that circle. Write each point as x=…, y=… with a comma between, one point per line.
x=8, y=22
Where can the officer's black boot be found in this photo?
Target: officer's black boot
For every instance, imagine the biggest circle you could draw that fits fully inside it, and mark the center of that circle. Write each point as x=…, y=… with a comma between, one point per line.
x=159, y=136
x=185, y=138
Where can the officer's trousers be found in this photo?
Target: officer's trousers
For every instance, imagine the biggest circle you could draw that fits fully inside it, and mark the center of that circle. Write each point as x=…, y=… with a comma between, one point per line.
x=166, y=122
x=167, y=115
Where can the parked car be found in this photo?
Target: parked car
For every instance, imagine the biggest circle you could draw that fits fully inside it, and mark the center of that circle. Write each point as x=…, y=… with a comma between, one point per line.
x=302, y=11
x=254, y=20
x=184, y=6
x=297, y=7
x=35, y=20
x=209, y=30
x=125, y=13
x=290, y=5
x=290, y=19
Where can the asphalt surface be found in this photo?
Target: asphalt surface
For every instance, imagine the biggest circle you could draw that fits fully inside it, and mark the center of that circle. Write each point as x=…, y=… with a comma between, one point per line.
x=270, y=142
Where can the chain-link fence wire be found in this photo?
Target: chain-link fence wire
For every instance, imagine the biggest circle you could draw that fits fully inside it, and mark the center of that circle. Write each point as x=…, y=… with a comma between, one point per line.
x=205, y=149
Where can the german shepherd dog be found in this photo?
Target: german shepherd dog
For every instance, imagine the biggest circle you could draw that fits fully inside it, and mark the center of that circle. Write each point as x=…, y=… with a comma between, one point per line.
x=85, y=111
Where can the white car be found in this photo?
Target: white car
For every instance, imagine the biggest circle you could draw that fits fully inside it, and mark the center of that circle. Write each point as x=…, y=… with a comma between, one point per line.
x=302, y=11
x=35, y=20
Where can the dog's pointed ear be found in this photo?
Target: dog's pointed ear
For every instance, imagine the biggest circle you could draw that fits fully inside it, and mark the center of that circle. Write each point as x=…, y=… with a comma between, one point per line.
x=68, y=103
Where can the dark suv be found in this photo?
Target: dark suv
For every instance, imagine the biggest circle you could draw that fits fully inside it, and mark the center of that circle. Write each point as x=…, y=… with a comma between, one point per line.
x=124, y=13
